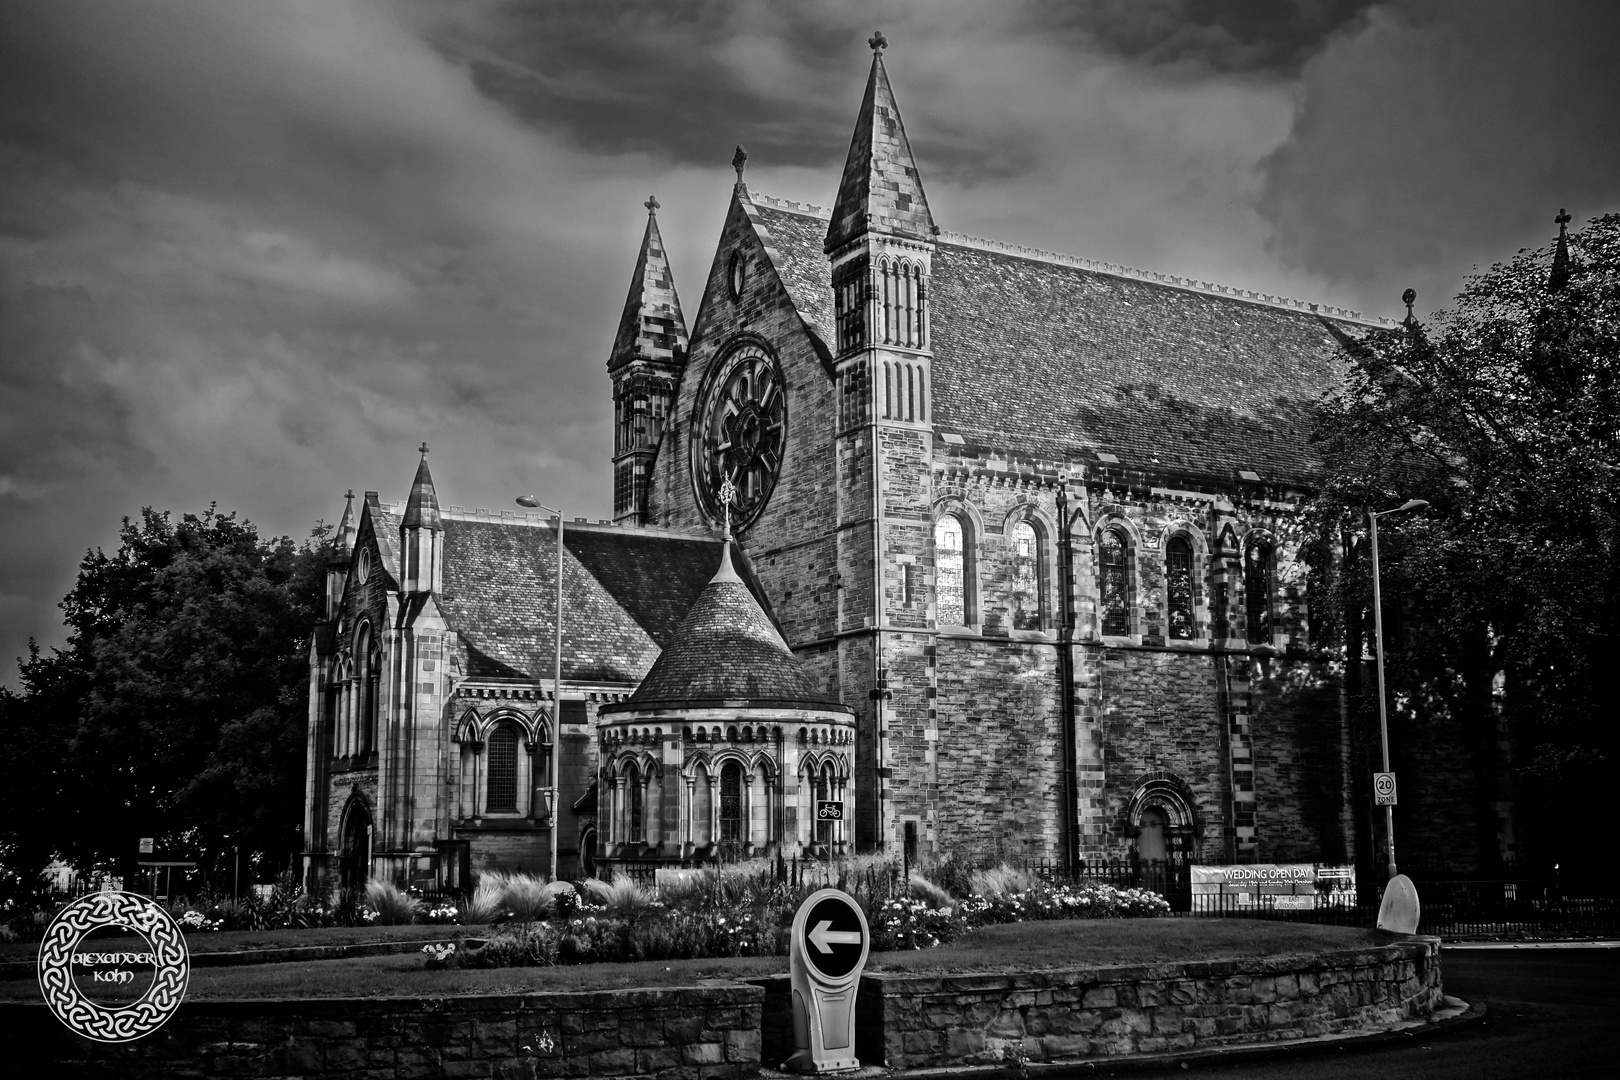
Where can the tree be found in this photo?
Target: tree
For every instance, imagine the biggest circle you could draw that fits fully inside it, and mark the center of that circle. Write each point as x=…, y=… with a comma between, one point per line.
x=178, y=707
x=1503, y=414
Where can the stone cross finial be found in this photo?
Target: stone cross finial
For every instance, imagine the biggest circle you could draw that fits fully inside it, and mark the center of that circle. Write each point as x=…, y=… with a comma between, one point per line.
x=728, y=492
x=877, y=41
x=1562, y=219
x=349, y=494
x=738, y=160
x=422, y=449
x=652, y=203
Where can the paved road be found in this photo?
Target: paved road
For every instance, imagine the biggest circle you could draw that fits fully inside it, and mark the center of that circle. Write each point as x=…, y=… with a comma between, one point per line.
x=1553, y=1013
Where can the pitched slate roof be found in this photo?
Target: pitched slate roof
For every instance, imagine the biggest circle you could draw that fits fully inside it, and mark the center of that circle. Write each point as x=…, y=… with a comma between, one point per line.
x=726, y=652
x=1050, y=357
x=624, y=592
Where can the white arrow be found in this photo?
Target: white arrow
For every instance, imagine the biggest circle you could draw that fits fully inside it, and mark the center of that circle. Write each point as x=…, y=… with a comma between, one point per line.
x=824, y=937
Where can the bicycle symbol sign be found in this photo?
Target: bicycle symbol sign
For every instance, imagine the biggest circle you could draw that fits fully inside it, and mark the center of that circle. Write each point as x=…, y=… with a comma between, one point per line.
x=829, y=810
x=1384, y=789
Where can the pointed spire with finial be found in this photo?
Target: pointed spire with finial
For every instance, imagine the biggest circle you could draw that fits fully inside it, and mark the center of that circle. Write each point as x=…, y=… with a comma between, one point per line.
x=728, y=494
x=1409, y=297
x=651, y=326
x=422, y=508
x=880, y=189
x=739, y=161
x=347, y=530
x=1559, y=277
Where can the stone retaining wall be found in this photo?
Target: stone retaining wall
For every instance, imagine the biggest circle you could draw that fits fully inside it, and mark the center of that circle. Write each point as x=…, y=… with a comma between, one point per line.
x=673, y=1033
x=725, y=1031
x=924, y=1021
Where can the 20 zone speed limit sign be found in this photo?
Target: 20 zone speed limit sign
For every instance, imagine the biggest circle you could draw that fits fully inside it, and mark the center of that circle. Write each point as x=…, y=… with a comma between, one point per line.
x=1384, y=789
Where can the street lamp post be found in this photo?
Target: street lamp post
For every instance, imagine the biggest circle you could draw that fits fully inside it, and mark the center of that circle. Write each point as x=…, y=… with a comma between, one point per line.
x=556, y=687
x=1378, y=632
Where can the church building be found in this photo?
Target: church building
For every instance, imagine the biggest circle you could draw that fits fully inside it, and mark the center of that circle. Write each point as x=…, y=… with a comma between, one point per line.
x=920, y=541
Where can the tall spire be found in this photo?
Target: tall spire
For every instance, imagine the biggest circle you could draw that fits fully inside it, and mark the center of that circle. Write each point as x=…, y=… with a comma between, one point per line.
x=652, y=326
x=347, y=529
x=422, y=509
x=880, y=189
x=1559, y=277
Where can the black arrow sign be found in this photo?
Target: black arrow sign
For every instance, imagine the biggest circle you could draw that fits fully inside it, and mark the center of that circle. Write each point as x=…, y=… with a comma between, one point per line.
x=834, y=941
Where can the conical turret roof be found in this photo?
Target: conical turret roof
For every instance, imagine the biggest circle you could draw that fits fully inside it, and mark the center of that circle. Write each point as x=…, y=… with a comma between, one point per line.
x=881, y=190
x=652, y=326
x=726, y=652
x=422, y=509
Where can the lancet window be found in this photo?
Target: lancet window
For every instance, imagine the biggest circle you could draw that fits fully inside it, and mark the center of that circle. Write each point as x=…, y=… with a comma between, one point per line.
x=1178, y=588
x=1114, y=582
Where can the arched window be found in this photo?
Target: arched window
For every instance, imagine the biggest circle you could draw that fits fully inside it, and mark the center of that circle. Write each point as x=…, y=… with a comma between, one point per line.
x=501, y=793
x=1027, y=559
x=633, y=809
x=1178, y=588
x=952, y=603
x=1257, y=589
x=1114, y=582
x=731, y=834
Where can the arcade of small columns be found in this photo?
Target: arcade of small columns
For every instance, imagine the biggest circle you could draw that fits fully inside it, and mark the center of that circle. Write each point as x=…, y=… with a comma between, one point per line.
x=710, y=764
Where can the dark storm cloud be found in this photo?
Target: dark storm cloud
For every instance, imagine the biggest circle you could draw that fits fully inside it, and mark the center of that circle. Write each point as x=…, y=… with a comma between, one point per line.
x=1224, y=35
x=1446, y=134
x=258, y=252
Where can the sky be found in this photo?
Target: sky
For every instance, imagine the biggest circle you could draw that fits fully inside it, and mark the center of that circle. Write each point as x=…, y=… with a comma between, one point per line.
x=254, y=254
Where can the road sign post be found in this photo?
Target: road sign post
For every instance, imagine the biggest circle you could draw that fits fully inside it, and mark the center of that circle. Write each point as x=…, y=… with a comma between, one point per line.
x=1384, y=789
x=829, y=948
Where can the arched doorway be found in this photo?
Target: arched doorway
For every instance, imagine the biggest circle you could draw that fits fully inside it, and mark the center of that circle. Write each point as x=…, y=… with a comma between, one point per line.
x=587, y=852
x=354, y=859
x=1150, y=834
x=1163, y=835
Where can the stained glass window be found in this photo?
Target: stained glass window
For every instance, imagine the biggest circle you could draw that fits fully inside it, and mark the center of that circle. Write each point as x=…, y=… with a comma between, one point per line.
x=1025, y=558
x=1113, y=582
x=1178, y=588
x=949, y=576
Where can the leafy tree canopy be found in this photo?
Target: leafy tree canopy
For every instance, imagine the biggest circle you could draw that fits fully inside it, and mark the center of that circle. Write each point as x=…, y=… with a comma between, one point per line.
x=177, y=709
x=1503, y=414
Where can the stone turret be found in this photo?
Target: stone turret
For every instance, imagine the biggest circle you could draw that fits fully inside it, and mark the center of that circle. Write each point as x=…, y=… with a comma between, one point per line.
x=421, y=554
x=649, y=351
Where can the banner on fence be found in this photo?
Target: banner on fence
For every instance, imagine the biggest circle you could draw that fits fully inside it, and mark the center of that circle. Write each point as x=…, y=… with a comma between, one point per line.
x=1281, y=886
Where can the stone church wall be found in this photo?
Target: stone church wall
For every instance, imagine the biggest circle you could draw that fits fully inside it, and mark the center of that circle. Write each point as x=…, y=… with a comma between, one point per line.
x=1300, y=751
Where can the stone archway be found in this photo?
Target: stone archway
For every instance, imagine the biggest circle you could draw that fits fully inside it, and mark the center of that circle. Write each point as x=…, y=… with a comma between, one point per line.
x=354, y=858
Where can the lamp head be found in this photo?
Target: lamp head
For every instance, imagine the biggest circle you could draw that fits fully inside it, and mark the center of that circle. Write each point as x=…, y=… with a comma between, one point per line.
x=529, y=501
x=1412, y=504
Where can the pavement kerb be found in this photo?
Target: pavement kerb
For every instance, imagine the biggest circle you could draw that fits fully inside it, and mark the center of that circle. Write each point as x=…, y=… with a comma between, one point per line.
x=1458, y=1014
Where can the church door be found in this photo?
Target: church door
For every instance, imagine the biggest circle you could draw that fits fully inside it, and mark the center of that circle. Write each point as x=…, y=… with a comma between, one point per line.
x=355, y=860
x=731, y=812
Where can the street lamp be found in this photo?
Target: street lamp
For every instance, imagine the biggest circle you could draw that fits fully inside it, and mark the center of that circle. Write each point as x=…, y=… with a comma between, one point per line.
x=556, y=685
x=1378, y=631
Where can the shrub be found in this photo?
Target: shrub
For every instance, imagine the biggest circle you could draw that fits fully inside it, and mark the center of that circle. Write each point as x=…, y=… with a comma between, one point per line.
x=623, y=894
x=393, y=905
x=923, y=889
x=524, y=897
x=1003, y=880
x=483, y=905
x=912, y=924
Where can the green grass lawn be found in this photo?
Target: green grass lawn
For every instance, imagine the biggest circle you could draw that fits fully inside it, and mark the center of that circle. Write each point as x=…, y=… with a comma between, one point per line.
x=1018, y=947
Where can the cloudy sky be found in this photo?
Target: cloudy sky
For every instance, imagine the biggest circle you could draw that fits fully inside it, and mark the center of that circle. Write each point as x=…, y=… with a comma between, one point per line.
x=256, y=253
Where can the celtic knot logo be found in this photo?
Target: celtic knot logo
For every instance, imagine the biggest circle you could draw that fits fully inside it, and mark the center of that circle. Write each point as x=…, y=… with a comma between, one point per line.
x=169, y=956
